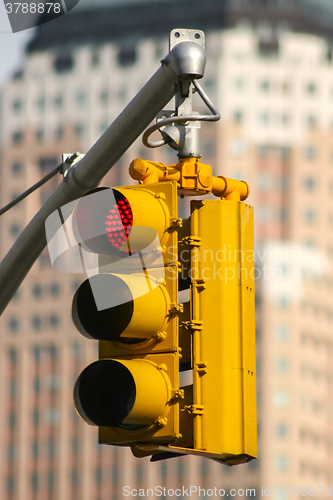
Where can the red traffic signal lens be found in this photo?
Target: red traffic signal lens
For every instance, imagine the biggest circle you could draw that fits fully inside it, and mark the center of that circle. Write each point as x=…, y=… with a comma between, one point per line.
x=102, y=222
x=119, y=222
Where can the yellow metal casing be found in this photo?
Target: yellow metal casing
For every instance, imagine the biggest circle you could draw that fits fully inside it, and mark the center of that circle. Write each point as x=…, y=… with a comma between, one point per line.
x=154, y=206
x=218, y=413
x=224, y=376
x=148, y=276
x=213, y=334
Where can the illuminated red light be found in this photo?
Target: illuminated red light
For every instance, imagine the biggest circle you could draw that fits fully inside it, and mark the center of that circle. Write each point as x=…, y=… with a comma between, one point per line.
x=119, y=223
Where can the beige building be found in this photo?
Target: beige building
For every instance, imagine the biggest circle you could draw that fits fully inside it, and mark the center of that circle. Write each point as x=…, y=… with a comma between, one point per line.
x=276, y=132
x=276, y=102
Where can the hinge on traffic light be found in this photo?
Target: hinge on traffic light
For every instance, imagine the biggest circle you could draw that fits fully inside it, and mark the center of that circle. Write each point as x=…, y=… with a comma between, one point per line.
x=176, y=308
x=176, y=222
x=177, y=394
x=194, y=409
x=161, y=422
x=199, y=284
x=159, y=336
x=193, y=241
x=192, y=325
x=201, y=368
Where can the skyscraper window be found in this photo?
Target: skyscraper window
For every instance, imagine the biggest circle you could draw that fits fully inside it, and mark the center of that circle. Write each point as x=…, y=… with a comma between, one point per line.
x=309, y=183
x=17, y=137
x=95, y=60
x=264, y=85
x=80, y=98
x=36, y=322
x=281, y=398
x=41, y=103
x=58, y=101
x=311, y=121
x=237, y=146
x=264, y=117
x=17, y=105
x=239, y=83
x=281, y=366
x=64, y=63
x=79, y=130
x=15, y=230
x=280, y=463
x=309, y=215
x=58, y=133
x=104, y=96
x=16, y=168
x=13, y=324
x=55, y=289
x=238, y=116
x=37, y=290
x=281, y=333
x=311, y=88
x=127, y=55
x=54, y=320
x=310, y=152
x=281, y=430
x=40, y=135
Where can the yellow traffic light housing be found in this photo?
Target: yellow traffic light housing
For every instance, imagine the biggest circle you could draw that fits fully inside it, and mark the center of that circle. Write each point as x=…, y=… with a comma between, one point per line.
x=146, y=337
x=131, y=307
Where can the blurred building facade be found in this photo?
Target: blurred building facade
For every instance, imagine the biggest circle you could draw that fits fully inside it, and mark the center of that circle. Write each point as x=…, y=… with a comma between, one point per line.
x=271, y=76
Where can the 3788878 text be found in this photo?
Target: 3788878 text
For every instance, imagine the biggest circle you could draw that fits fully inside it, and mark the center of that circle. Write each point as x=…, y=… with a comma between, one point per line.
x=32, y=8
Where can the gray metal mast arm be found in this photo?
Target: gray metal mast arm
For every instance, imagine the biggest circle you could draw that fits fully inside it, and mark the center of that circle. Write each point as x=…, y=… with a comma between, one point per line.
x=186, y=61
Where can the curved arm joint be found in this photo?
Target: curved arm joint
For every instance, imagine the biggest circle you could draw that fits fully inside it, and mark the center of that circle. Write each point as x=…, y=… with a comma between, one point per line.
x=188, y=60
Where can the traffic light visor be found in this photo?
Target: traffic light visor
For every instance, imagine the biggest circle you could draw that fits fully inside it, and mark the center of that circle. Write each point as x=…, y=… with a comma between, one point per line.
x=120, y=307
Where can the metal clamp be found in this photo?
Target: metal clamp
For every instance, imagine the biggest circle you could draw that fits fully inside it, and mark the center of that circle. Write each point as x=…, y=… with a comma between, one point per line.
x=68, y=161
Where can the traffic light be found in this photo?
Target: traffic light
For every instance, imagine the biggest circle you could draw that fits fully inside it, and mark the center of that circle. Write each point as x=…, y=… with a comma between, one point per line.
x=146, y=253
x=131, y=306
